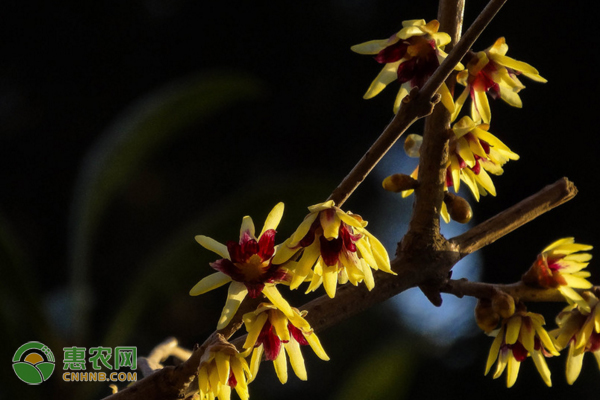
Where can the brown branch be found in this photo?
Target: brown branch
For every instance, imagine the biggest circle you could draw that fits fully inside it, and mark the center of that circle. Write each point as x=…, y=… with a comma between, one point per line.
x=521, y=213
x=417, y=105
x=518, y=290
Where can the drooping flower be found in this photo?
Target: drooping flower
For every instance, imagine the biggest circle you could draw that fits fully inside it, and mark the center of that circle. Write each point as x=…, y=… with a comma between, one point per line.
x=473, y=152
x=492, y=72
x=559, y=266
x=339, y=247
x=411, y=56
x=222, y=367
x=580, y=331
x=269, y=329
x=247, y=264
x=520, y=336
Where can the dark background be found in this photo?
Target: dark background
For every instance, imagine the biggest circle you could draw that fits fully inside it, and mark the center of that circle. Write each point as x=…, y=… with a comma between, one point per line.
x=289, y=124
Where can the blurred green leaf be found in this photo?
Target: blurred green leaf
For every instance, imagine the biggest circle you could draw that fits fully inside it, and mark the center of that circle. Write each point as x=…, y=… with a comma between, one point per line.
x=122, y=150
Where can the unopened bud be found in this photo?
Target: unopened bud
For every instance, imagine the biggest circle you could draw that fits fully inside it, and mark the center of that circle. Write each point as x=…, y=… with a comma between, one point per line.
x=458, y=208
x=412, y=145
x=398, y=183
x=485, y=316
x=503, y=304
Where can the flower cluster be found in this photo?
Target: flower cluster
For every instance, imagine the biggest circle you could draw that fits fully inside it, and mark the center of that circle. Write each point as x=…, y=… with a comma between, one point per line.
x=521, y=335
x=337, y=245
x=269, y=330
x=410, y=56
x=491, y=72
x=560, y=266
x=332, y=241
x=579, y=329
x=221, y=368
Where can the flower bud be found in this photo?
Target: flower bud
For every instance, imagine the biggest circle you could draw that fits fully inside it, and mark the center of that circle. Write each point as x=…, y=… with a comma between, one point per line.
x=485, y=316
x=412, y=145
x=399, y=182
x=458, y=208
x=503, y=304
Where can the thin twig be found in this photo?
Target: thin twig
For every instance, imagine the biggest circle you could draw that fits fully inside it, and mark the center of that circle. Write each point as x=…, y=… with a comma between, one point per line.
x=521, y=213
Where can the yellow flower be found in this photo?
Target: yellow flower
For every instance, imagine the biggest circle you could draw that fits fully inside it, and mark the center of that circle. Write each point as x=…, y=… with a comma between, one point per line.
x=411, y=56
x=222, y=368
x=492, y=72
x=247, y=265
x=473, y=152
x=560, y=266
x=339, y=247
x=580, y=330
x=268, y=328
x=520, y=336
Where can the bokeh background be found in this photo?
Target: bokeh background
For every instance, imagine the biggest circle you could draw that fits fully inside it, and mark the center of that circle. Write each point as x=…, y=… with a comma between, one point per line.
x=129, y=127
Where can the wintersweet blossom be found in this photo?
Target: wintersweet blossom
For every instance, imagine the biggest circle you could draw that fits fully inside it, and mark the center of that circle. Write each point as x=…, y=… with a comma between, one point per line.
x=221, y=368
x=411, y=56
x=339, y=247
x=559, y=266
x=520, y=336
x=492, y=72
x=580, y=331
x=473, y=154
x=247, y=264
x=269, y=329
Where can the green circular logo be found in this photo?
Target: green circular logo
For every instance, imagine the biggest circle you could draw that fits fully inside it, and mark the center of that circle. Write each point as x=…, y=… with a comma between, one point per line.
x=33, y=363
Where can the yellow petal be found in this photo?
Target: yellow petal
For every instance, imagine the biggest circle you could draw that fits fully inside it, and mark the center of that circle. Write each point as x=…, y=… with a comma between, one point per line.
x=559, y=242
x=309, y=257
x=542, y=367
x=315, y=344
x=446, y=99
x=255, y=361
x=577, y=282
x=371, y=47
x=296, y=360
x=484, y=180
x=402, y=93
x=483, y=106
x=514, y=64
x=512, y=370
x=494, y=350
x=273, y=218
x=380, y=253
x=330, y=222
x=280, y=364
x=284, y=252
x=330, y=280
x=316, y=280
x=235, y=295
x=213, y=245
x=271, y=292
x=209, y=283
x=369, y=281
x=388, y=74
x=574, y=363
x=512, y=329
x=280, y=322
x=247, y=227
x=463, y=126
x=222, y=361
x=303, y=229
x=255, y=329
